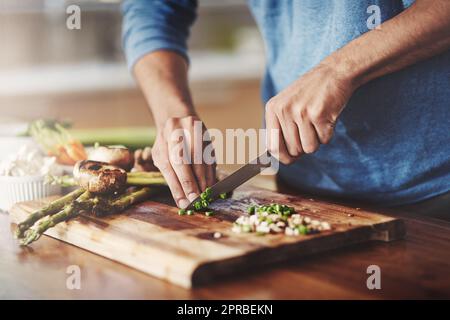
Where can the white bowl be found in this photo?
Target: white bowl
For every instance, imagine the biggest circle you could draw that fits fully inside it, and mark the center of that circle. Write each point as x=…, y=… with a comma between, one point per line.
x=18, y=189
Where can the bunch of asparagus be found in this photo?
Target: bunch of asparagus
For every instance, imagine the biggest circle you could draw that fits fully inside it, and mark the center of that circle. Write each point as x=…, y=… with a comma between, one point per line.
x=70, y=206
x=103, y=190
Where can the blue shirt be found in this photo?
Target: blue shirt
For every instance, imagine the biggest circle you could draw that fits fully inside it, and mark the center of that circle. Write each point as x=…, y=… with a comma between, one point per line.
x=392, y=141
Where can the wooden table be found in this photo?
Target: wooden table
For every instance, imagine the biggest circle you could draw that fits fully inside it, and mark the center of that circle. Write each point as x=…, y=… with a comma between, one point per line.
x=417, y=267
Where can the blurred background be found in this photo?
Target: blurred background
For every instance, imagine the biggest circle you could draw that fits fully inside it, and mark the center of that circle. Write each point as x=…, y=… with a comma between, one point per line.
x=80, y=76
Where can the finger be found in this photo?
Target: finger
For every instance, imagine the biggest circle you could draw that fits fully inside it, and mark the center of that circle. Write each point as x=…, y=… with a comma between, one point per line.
x=291, y=137
x=194, y=143
x=187, y=180
x=163, y=164
x=183, y=169
x=196, y=147
x=179, y=152
x=324, y=131
x=200, y=175
x=308, y=136
x=275, y=141
x=210, y=162
x=210, y=175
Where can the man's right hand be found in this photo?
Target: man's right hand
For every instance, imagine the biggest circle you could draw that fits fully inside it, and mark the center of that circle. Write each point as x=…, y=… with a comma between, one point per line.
x=178, y=154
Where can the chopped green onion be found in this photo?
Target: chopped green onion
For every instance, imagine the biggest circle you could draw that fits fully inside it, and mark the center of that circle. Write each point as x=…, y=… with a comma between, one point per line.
x=198, y=205
x=190, y=212
x=205, y=200
x=303, y=229
x=181, y=212
x=205, y=204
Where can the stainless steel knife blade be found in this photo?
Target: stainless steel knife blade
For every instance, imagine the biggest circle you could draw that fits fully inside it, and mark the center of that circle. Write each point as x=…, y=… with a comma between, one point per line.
x=238, y=177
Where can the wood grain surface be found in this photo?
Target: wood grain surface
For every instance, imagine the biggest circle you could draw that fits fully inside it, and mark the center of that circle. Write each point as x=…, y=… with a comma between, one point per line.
x=153, y=238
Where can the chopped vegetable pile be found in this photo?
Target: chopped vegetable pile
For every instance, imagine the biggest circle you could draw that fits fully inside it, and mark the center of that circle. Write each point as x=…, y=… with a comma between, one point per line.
x=202, y=204
x=277, y=218
x=71, y=205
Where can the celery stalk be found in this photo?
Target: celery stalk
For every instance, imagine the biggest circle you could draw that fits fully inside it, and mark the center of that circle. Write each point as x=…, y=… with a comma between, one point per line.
x=131, y=137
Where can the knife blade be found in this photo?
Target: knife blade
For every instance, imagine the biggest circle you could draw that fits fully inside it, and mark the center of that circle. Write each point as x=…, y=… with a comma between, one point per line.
x=238, y=177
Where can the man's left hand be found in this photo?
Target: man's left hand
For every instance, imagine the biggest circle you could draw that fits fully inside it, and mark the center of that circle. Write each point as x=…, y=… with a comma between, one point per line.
x=306, y=112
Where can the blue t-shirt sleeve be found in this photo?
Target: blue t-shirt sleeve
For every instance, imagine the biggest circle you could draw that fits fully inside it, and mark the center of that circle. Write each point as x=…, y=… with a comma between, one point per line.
x=150, y=25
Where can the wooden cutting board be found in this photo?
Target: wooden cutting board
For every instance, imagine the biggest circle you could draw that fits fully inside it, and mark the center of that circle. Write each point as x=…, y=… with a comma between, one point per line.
x=153, y=238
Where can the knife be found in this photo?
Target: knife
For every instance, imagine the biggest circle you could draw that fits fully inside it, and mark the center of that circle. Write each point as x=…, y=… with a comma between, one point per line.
x=238, y=177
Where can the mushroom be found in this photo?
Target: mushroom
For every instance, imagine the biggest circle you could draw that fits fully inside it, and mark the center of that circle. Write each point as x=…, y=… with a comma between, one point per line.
x=99, y=177
x=114, y=155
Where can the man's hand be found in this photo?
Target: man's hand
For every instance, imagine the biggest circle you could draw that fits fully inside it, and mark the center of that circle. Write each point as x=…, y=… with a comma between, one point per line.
x=179, y=156
x=306, y=112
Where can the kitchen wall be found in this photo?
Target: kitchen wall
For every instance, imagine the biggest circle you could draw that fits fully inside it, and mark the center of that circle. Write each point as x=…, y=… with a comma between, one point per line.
x=49, y=71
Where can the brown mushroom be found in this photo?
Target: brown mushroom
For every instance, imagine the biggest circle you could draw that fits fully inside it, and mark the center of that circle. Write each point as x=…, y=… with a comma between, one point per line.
x=99, y=177
x=114, y=155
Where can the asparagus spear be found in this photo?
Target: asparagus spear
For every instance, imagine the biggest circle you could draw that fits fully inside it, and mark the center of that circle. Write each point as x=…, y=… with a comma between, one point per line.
x=49, y=209
x=104, y=206
x=71, y=210
x=131, y=198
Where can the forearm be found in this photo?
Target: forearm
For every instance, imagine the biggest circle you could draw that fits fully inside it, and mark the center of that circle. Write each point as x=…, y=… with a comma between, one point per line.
x=162, y=76
x=418, y=33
